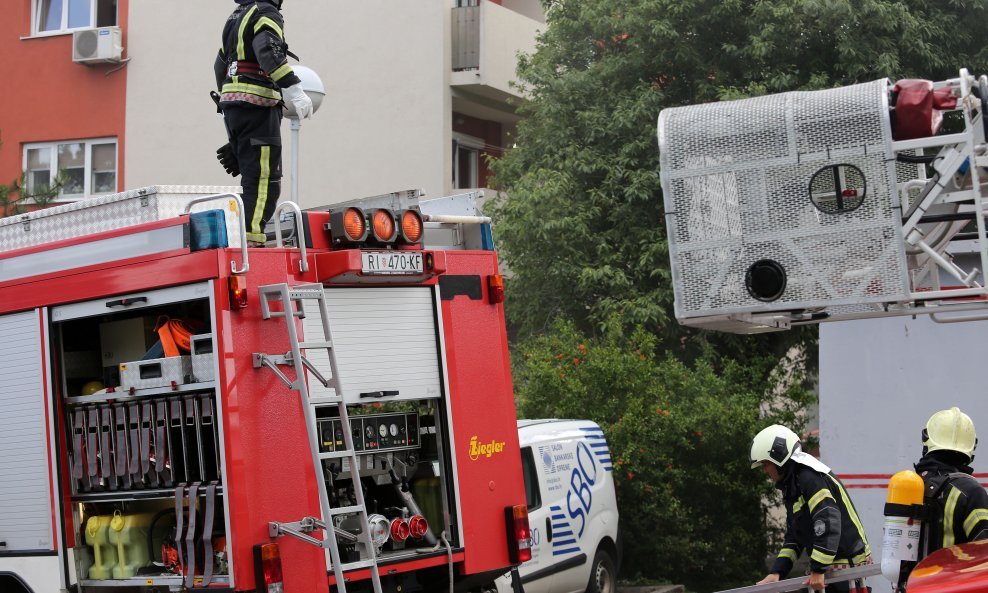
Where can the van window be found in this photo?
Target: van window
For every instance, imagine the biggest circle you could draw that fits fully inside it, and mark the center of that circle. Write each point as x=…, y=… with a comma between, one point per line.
x=532, y=495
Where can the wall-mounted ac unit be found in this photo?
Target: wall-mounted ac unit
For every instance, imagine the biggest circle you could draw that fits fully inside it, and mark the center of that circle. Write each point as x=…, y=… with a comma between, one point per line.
x=97, y=45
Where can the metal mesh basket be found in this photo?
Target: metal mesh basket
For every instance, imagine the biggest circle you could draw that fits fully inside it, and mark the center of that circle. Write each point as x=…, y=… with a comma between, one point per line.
x=805, y=181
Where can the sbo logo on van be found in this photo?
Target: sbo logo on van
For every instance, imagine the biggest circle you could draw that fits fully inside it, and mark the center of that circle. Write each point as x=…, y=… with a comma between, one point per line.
x=478, y=450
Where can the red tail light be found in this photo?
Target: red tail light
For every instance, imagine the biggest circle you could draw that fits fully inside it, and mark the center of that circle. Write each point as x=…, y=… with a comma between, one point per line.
x=495, y=288
x=418, y=526
x=519, y=534
x=399, y=530
x=267, y=568
x=238, y=292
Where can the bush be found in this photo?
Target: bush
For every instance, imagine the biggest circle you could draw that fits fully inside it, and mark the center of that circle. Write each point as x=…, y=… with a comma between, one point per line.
x=692, y=509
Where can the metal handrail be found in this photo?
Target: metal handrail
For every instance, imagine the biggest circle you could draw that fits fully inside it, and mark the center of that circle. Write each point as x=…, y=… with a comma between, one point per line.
x=243, y=227
x=303, y=264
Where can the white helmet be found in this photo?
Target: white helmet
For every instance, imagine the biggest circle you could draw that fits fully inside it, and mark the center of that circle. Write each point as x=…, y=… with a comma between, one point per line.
x=775, y=443
x=950, y=430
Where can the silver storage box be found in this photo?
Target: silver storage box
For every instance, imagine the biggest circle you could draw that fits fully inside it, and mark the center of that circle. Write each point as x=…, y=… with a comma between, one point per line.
x=202, y=358
x=114, y=211
x=156, y=372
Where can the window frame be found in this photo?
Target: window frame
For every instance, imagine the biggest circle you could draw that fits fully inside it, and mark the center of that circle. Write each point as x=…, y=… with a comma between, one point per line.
x=531, y=472
x=88, y=143
x=64, y=29
x=474, y=145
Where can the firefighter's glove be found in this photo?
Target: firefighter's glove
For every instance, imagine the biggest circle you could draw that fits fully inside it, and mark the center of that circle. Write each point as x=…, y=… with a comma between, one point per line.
x=228, y=158
x=296, y=97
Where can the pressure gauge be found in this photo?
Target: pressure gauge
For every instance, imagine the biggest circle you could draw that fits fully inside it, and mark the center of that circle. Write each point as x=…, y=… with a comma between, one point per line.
x=394, y=429
x=383, y=430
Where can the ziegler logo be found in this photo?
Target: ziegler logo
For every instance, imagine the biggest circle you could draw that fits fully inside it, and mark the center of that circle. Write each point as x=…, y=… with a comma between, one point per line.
x=478, y=450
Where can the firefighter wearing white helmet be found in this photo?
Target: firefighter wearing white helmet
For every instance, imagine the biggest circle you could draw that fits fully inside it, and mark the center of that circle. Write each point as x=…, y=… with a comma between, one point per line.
x=957, y=502
x=820, y=517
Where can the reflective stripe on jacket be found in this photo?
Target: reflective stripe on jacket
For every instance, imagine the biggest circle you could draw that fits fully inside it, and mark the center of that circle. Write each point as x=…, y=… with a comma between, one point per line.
x=821, y=519
x=958, y=505
x=254, y=33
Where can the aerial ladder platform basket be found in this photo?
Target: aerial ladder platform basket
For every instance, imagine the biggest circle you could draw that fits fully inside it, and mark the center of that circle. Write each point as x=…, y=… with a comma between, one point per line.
x=814, y=206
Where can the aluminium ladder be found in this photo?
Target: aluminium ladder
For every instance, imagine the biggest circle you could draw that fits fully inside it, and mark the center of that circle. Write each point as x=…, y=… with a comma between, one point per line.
x=854, y=573
x=294, y=301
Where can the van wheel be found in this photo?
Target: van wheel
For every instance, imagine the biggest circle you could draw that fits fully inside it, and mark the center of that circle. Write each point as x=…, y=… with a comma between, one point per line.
x=603, y=576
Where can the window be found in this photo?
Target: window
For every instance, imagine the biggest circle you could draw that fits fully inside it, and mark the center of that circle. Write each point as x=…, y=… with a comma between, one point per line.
x=466, y=161
x=85, y=167
x=533, y=497
x=57, y=16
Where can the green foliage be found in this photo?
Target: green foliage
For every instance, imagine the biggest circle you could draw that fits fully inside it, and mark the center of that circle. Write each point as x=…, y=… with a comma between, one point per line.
x=16, y=199
x=583, y=228
x=692, y=509
x=583, y=232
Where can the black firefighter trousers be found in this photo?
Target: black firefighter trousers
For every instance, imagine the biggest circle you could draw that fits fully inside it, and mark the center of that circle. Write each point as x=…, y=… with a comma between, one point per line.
x=255, y=134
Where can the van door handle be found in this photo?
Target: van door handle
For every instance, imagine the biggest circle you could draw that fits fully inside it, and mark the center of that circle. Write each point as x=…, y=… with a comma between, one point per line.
x=548, y=529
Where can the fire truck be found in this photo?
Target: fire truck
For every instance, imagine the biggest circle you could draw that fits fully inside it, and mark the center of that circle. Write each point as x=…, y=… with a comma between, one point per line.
x=861, y=208
x=333, y=411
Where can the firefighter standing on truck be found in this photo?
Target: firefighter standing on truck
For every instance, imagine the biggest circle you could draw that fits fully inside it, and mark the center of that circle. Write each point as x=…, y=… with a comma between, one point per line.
x=820, y=516
x=957, y=503
x=253, y=77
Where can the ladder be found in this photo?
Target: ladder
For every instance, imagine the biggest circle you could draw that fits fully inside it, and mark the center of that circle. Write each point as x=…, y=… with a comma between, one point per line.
x=293, y=305
x=855, y=573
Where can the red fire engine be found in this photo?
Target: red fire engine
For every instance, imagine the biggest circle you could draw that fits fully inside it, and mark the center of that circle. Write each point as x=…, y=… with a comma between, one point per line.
x=184, y=413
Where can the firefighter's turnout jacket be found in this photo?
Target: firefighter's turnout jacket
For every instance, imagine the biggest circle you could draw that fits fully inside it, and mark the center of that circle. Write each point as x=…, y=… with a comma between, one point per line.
x=957, y=502
x=252, y=66
x=251, y=69
x=820, y=518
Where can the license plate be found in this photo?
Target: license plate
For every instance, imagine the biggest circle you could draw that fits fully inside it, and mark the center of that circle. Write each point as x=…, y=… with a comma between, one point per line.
x=391, y=262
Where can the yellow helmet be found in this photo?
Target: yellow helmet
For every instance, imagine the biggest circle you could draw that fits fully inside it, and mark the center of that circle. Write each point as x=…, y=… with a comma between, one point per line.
x=950, y=430
x=775, y=443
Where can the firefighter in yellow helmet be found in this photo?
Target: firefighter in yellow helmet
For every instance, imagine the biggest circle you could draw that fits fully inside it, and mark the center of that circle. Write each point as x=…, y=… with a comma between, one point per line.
x=254, y=79
x=957, y=502
x=820, y=517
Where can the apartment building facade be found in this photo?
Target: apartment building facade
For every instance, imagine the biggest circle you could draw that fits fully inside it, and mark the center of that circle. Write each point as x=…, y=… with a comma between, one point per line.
x=418, y=93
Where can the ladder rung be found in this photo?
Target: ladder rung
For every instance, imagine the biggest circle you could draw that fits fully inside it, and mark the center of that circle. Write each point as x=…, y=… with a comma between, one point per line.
x=276, y=314
x=335, y=454
x=347, y=510
x=329, y=400
x=358, y=564
x=314, y=345
x=297, y=295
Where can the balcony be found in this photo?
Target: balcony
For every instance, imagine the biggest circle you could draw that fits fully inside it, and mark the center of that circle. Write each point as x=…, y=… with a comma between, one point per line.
x=486, y=41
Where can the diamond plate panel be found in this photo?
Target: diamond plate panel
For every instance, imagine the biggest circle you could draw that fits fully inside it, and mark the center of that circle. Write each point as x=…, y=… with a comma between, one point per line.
x=736, y=183
x=114, y=211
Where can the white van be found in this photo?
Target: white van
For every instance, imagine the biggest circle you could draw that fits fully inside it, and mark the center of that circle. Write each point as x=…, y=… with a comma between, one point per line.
x=572, y=509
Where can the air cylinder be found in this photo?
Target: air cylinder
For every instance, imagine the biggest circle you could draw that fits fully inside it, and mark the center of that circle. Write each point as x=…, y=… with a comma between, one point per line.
x=901, y=541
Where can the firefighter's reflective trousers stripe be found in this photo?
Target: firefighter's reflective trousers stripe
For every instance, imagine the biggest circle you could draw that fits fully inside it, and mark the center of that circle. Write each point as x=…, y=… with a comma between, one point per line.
x=255, y=133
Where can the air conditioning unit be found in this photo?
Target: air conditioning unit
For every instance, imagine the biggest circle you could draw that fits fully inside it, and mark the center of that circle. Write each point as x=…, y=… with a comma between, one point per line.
x=97, y=45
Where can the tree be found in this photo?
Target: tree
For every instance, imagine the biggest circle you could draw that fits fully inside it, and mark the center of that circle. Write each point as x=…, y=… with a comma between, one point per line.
x=583, y=228
x=583, y=233
x=691, y=507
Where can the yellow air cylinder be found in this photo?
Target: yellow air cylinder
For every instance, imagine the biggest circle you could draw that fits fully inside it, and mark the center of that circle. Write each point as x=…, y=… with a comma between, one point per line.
x=104, y=555
x=900, y=544
x=129, y=533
